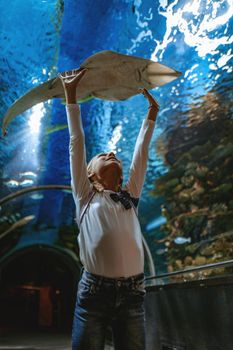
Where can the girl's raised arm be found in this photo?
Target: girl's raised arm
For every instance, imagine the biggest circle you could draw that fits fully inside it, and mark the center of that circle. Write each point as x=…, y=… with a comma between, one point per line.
x=78, y=166
x=139, y=162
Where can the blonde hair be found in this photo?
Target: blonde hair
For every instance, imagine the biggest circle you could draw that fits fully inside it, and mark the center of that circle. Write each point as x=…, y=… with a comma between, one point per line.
x=96, y=185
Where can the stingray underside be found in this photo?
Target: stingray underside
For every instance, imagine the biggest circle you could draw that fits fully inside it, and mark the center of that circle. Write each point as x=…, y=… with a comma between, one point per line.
x=110, y=76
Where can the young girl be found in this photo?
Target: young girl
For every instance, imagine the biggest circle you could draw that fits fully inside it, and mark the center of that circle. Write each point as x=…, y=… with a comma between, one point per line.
x=111, y=290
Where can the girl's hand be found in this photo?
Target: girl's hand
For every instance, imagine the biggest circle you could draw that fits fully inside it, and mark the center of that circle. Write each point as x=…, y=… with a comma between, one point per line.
x=153, y=103
x=70, y=81
x=71, y=78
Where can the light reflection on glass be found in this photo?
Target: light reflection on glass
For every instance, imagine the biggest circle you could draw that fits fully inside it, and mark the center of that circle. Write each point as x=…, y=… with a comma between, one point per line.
x=36, y=114
x=112, y=144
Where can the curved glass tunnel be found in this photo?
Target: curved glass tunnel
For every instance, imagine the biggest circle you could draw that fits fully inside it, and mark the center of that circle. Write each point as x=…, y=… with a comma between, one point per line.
x=186, y=209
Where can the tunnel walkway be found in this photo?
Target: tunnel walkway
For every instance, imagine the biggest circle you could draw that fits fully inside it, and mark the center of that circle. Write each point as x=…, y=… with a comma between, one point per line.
x=38, y=341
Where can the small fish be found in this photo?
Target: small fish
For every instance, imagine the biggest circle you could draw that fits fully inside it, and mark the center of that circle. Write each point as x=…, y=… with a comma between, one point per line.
x=161, y=251
x=37, y=196
x=182, y=240
x=26, y=182
x=11, y=183
x=13, y=217
x=28, y=173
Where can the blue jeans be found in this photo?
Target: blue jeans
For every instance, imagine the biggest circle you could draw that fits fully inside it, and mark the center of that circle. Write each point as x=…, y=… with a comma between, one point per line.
x=103, y=302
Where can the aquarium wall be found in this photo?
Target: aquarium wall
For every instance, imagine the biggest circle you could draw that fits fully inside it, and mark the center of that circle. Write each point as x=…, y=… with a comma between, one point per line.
x=186, y=207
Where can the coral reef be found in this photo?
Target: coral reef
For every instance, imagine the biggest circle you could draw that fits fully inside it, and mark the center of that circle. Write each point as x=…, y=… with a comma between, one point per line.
x=198, y=188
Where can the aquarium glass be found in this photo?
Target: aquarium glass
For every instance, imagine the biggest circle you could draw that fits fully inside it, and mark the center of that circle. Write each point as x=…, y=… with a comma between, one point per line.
x=186, y=207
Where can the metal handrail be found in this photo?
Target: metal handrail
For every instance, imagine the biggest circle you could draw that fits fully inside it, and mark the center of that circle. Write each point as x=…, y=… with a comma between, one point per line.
x=194, y=269
x=32, y=189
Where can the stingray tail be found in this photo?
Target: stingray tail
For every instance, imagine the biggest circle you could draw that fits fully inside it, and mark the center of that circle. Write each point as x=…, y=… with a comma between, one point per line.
x=160, y=74
x=41, y=93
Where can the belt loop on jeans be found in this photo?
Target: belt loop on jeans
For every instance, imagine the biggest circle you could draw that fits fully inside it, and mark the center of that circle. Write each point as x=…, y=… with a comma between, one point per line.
x=133, y=279
x=81, y=272
x=100, y=280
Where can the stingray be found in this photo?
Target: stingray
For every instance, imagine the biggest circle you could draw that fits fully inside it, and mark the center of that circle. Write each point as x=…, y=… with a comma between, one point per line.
x=110, y=76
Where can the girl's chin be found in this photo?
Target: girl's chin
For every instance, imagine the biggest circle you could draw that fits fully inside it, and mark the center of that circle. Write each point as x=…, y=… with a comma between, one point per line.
x=113, y=166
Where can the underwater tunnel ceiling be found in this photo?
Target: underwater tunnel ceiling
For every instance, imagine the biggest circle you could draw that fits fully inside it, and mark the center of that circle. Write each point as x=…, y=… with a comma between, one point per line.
x=186, y=208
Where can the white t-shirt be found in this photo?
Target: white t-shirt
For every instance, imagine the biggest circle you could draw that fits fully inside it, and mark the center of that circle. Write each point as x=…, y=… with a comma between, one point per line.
x=110, y=235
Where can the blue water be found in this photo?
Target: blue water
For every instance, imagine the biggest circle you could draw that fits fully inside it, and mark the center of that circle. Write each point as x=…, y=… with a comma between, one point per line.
x=39, y=39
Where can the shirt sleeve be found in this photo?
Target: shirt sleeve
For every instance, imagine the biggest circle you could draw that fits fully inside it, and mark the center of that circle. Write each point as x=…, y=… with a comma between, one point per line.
x=139, y=162
x=80, y=183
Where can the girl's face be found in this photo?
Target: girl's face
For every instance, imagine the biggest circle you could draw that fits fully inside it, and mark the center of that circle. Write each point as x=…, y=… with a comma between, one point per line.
x=104, y=166
x=104, y=161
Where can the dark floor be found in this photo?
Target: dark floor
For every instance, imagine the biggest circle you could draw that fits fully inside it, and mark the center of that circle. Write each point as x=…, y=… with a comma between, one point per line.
x=37, y=341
